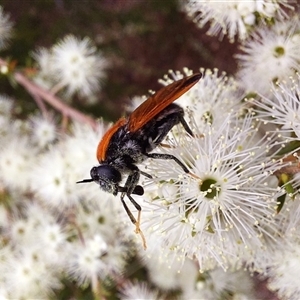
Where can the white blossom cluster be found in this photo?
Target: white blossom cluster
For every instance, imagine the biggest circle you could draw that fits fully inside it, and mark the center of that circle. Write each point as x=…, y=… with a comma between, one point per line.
x=72, y=65
x=206, y=234
x=50, y=228
x=235, y=18
x=5, y=29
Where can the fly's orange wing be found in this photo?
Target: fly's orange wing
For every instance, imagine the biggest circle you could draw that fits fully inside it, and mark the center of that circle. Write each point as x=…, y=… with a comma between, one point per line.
x=102, y=146
x=160, y=100
x=148, y=110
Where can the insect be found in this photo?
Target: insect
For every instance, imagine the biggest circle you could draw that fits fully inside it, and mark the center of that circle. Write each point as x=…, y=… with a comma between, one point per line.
x=131, y=140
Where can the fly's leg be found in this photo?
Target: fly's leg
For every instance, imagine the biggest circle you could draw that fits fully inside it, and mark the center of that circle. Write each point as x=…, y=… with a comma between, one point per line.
x=135, y=221
x=170, y=156
x=130, y=185
x=186, y=126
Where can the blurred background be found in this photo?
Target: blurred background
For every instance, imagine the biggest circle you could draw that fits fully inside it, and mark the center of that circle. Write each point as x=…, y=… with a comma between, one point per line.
x=141, y=40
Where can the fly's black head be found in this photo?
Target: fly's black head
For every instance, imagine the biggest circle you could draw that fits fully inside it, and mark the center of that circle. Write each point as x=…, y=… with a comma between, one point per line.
x=107, y=177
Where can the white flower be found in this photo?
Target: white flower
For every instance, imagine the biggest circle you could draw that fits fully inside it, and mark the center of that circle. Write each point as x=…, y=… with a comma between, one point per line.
x=73, y=65
x=5, y=28
x=37, y=248
x=87, y=261
x=95, y=259
x=235, y=18
x=20, y=231
x=166, y=270
x=77, y=66
x=51, y=181
x=283, y=276
x=17, y=158
x=98, y=215
x=28, y=276
x=43, y=58
x=46, y=75
x=218, y=284
x=273, y=8
x=272, y=54
x=6, y=105
x=228, y=211
x=282, y=108
x=43, y=131
x=139, y=291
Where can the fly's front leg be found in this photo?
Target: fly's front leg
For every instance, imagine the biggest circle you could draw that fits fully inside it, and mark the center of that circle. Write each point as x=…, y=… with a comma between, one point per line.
x=132, y=180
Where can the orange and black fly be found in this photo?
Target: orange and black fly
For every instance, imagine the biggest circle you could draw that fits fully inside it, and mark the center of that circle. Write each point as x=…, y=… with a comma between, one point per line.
x=131, y=140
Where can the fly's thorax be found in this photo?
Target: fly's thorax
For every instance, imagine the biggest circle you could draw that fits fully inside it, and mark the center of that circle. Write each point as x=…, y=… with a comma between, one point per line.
x=124, y=161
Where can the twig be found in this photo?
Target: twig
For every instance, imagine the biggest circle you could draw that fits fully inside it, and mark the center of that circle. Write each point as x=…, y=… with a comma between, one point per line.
x=40, y=103
x=54, y=101
x=38, y=93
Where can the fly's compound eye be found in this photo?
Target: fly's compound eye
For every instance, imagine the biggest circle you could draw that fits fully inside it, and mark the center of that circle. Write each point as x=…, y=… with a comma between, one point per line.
x=94, y=174
x=107, y=177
